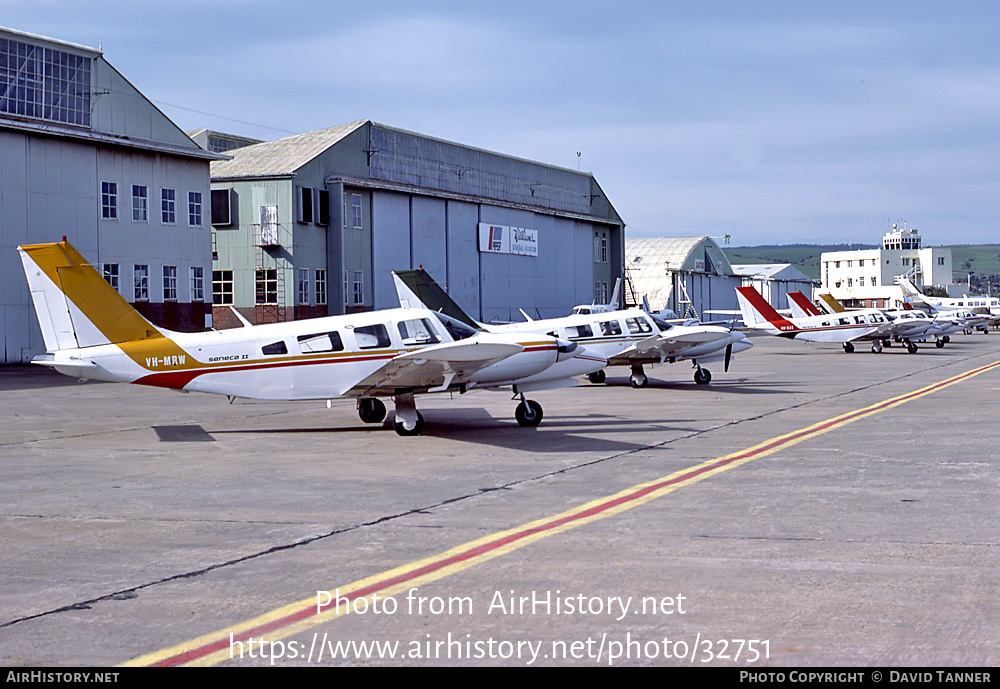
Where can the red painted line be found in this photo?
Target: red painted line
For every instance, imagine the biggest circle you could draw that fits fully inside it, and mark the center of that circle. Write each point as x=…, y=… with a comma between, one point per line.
x=584, y=514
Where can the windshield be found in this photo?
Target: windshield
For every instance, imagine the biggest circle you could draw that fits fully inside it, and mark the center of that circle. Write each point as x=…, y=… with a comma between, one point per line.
x=455, y=328
x=660, y=323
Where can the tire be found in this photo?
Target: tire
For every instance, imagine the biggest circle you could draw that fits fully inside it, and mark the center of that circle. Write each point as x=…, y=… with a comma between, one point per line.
x=597, y=377
x=401, y=430
x=911, y=348
x=371, y=410
x=639, y=382
x=848, y=348
x=702, y=376
x=939, y=344
x=528, y=414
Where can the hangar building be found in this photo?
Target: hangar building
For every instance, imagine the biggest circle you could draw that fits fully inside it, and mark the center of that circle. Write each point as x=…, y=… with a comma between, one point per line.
x=775, y=280
x=84, y=155
x=313, y=224
x=688, y=275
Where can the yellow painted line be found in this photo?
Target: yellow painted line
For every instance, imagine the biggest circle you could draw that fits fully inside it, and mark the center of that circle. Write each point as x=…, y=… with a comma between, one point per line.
x=301, y=615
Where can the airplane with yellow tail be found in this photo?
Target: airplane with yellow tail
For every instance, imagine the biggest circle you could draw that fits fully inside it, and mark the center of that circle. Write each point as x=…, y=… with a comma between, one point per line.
x=91, y=332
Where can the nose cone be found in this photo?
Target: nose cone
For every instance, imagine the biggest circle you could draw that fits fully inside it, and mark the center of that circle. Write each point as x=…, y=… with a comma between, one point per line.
x=739, y=342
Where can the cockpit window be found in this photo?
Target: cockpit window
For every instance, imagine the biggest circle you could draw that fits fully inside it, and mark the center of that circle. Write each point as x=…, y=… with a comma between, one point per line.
x=638, y=326
x=609, y=328
x=417, y=332
x=660, y=323
x=455, y=328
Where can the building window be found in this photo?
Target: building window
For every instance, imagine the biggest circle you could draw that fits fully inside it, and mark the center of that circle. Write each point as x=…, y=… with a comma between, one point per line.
x=169, y=283
x=874, y=282
x=305, y=204
x=222, y=287
x=140, y=203
x=194, y=208
x=140, y=275
x=906, y=261
x=600, y=293
x=940, y=260
x=197, y=283
x=356, y=211
x=109, y=200
x=266, y=282
x=359, y=287
x=303, y=286
x=601, y=247
x=44, y=83
x=320, y=286
x=111, y=274
x=861, y=282
x=168, y=206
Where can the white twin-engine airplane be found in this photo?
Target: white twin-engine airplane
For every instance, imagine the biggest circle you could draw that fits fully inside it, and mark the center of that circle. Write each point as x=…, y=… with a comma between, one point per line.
x=905, y=326
x=864, y=324
x=977, y=312
x=90, y=331
x=630, y=337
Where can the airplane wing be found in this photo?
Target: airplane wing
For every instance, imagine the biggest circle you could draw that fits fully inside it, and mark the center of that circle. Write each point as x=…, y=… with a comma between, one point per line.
x=674, y=342
x=432, y=368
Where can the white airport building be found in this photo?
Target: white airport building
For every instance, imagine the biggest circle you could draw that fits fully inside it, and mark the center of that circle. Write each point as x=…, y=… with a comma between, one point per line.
x=867, y=277
x=84, y=155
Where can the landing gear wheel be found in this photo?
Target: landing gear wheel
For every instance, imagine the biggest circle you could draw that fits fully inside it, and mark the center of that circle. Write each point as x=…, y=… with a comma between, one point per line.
x=877, y=347
x=401, y=428
x=597, y=377
x=848, y=348
x=886, y=343
x=911, y=348
x=528, y=414
x=968, y=331
x=946, y=339
x=639, y=380
x=939, y=343
x=371, y=410
x=702, y=376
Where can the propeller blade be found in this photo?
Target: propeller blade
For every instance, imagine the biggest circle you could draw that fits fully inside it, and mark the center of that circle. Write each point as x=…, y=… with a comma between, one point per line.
x=729, y=355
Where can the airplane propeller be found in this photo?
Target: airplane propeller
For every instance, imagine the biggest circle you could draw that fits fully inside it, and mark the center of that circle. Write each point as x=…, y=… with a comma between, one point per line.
x=729, y=356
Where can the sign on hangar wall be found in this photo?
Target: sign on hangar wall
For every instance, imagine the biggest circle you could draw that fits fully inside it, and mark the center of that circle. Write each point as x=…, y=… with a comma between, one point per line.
x=501, y=239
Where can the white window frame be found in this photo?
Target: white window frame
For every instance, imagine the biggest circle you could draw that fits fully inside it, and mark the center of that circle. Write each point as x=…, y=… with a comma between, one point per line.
x=197, y=283
x=320, y=286
x=109, y=200
x=169, y=283
x=140, y=203
x=110, y=273
x=168, y=206
x=225, y=277
x=140, y=282
x=195, y=207
x=359, y=288
x=357, y=218
x=303, y=285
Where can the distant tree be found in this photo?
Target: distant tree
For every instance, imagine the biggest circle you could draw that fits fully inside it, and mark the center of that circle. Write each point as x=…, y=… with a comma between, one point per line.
x=935, y=291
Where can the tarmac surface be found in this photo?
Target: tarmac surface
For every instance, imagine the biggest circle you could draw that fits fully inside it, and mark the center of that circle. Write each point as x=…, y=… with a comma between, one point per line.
x=146, y=525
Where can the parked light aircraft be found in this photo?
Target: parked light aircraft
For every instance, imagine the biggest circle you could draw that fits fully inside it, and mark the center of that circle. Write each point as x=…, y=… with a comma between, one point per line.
x=977, y=312
x=859, y=325
x=90, y=331
x=595, y=307
x=906, y=325
x=630, y=337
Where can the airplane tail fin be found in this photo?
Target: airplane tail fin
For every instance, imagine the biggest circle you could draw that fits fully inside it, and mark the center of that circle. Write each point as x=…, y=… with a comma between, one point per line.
x=801, y=306
x=416, y=288
x=832, y=304
x=755, y=309
x=614, y=295
x=909, y=288
x=75, y=306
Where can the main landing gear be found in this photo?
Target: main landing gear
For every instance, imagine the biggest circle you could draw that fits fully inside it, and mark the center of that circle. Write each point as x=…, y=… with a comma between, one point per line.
x=638, y=378
x=597, y=377
x=702, y=376
x=408, y=421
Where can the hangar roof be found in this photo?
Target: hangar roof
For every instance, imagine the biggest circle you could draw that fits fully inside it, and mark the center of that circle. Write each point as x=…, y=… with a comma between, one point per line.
x=282, y=156
x=772, y=271
x=661, y=254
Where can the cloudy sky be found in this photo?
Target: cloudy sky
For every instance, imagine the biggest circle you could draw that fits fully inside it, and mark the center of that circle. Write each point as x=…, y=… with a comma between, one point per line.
x=773, y=122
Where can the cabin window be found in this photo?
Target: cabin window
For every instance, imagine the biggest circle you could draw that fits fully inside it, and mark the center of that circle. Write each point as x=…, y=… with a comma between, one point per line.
x=417, y=332
x=371, y=336
x=638, y=326
x=609, y=328
x=275, y=348
x=321, y=342
x=579, y=331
